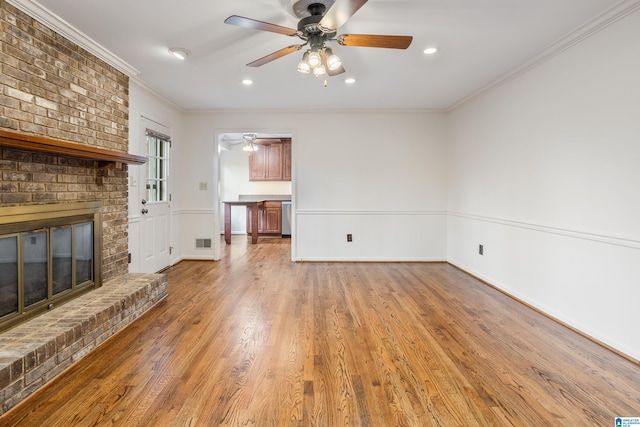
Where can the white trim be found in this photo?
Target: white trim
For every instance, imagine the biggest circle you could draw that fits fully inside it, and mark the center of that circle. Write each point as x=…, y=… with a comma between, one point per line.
x=194, y=212
x=364, y=260
x=193, y=258
x=302, y=212
x=576, y=234
x=62, y=27
x=144, y=86
x=610, y=16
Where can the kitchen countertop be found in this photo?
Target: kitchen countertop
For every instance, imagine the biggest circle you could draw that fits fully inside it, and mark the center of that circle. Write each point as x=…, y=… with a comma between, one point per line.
x=263, y=197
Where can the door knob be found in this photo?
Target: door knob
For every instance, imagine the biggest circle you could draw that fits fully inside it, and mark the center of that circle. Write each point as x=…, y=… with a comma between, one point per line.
x=144, y=211
x=144, y=202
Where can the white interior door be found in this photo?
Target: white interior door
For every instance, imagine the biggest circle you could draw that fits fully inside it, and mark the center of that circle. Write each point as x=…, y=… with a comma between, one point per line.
x=154, y=205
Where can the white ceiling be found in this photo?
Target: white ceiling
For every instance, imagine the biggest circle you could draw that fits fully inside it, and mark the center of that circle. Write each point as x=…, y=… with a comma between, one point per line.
x=480, y=41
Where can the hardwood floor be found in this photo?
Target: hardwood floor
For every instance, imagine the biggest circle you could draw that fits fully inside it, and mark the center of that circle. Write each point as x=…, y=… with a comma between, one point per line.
x=256, y=340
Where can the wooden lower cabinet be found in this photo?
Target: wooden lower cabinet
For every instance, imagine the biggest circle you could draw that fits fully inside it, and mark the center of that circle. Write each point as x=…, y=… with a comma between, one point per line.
x=269, y=218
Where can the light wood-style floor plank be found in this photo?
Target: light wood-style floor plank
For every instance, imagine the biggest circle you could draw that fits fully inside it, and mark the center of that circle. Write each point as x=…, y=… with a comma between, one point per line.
x=256, y=340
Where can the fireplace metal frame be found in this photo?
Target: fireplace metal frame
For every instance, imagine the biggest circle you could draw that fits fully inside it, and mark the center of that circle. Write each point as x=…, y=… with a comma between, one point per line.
x=17, y=219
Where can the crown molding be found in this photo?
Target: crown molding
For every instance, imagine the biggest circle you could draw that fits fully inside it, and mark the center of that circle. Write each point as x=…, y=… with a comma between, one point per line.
x=142, y=85
x=609, y=17
x=62, y=27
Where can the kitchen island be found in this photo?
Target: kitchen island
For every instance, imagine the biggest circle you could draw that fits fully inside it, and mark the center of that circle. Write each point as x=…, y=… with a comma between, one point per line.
x=253, y=203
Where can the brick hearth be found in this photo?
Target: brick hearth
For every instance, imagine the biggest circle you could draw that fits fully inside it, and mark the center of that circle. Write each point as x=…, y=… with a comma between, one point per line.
x=33, y=353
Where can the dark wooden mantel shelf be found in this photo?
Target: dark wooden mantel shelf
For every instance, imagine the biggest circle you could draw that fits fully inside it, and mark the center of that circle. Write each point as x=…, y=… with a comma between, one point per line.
x=52, y=146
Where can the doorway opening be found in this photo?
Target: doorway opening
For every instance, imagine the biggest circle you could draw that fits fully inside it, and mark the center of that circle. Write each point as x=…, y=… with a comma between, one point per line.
x=255, y=165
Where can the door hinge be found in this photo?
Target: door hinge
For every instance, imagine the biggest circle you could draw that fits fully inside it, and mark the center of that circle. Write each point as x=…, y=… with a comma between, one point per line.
x=169, y=196
x=170, y=250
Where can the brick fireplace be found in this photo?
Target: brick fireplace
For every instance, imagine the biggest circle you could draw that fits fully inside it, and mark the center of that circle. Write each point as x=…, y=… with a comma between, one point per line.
x=54, y=89
x=64, y=124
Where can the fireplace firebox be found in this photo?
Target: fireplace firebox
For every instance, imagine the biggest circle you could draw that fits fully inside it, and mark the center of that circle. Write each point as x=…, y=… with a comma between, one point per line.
x=49, y=254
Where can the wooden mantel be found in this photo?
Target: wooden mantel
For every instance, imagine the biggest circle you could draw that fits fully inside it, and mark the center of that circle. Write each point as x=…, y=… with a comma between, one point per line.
x=52, y=146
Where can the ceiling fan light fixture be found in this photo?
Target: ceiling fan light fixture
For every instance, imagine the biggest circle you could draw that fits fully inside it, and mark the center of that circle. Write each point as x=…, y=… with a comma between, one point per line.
x=319, y=70
x=179, y=52
x=314, y=59
x=333, y=62
x=303, y=65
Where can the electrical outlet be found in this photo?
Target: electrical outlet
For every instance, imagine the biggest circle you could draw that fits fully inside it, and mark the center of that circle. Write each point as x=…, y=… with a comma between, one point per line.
x=349, y=238
x=481, y=249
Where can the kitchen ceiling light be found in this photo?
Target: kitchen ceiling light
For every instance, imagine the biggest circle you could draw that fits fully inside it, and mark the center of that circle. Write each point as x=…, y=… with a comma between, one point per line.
x=250, y=147
x=179, y=52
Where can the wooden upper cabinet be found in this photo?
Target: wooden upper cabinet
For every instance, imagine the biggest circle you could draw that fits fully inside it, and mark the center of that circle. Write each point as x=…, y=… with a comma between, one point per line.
x=271, y=163
x=286, y=159
x=273, y=170
x=257, y=165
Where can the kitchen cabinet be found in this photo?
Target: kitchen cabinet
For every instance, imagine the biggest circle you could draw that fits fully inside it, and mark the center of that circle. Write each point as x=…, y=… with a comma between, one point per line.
x=269, y=218
x=286, y=162
x=270, y=163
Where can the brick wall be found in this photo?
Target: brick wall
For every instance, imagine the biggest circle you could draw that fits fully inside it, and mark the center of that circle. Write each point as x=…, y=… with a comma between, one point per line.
x=51, y=87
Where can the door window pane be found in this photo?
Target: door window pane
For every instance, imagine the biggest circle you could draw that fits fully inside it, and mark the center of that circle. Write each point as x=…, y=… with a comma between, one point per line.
x=34, y=253
x=157, y=168
x=8, y=275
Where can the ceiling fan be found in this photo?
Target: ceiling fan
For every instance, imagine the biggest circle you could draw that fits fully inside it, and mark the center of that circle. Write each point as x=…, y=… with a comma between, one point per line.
x=251, y=141
x=317, y=27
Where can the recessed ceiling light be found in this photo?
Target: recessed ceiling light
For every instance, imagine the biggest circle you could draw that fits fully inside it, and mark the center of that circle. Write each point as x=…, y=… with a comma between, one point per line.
x=179, y=52
x=430, y=50
x=350, y=80
x=247, y=82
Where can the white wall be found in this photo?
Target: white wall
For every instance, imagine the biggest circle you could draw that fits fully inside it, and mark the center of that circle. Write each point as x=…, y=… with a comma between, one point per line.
x=544, y=171
x=377, y=175
x=165, y=117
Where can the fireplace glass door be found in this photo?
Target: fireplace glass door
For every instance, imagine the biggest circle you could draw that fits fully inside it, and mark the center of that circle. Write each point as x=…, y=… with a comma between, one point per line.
x=40, y=266
x=8, y=275
x=35, y=263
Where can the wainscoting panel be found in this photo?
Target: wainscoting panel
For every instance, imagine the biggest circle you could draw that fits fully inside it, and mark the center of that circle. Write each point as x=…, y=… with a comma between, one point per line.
x=589, y=281
x=376, y=235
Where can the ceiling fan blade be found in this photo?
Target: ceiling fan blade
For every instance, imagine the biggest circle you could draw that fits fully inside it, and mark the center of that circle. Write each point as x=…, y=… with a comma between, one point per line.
x=275, y=55
x=241, y=21
x=340, y=13
x=370, y=40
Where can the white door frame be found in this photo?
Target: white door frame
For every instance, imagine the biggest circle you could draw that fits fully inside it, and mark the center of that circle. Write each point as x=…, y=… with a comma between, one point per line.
x=216, y=182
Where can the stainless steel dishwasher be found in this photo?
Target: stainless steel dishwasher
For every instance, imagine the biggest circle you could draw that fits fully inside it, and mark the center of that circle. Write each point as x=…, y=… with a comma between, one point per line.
x=286, y=218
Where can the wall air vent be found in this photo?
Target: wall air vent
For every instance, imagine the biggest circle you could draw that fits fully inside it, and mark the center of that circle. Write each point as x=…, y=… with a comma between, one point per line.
x=203, y=243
